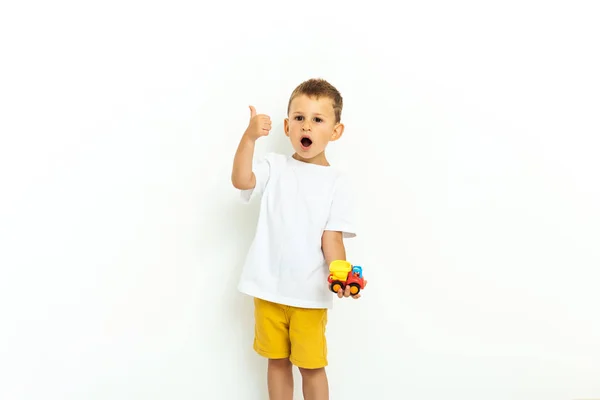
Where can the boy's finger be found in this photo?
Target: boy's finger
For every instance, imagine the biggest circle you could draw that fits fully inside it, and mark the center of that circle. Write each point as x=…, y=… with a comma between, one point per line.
x=252, y=112
x=340, y=293
x=347, y=294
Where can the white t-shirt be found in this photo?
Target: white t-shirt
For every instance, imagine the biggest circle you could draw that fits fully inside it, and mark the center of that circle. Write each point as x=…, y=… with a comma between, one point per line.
x=285, y=263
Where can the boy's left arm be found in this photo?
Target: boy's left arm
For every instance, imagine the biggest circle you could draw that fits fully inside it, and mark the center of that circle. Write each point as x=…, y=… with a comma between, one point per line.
x=332, y=243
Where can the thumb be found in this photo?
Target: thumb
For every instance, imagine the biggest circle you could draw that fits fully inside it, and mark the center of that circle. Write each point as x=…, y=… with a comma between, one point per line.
x=252, y=112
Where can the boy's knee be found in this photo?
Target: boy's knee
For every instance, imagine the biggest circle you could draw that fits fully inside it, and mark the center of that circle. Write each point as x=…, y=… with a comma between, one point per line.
x=309, y=373
x=280, y=363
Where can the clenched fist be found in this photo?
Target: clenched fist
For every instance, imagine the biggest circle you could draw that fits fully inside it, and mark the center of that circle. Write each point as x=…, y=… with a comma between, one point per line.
x=259, y=125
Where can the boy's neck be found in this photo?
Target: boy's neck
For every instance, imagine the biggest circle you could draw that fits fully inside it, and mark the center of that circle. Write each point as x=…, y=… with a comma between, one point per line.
x=319, y=159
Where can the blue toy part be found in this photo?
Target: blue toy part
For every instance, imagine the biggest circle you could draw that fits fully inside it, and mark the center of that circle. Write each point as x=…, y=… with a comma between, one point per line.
x=357, y=270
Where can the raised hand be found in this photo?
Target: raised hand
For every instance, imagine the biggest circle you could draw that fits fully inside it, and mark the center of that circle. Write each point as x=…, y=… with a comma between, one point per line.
x=259, y=125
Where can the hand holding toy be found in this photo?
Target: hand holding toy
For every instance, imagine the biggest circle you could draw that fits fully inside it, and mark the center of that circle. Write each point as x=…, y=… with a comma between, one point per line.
x=344, y=276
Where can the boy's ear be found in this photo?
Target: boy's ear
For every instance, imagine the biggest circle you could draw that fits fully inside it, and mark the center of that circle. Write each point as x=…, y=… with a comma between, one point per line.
x=286, y=127
x=337, y=133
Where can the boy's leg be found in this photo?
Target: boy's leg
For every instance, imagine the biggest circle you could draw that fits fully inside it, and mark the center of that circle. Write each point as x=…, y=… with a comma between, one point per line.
x=280, y=379
x=309, y=350
x=271, y=340
x=314, y=384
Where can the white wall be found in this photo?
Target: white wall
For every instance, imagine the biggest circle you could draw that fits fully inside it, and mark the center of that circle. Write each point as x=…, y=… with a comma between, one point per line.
x=472, y=130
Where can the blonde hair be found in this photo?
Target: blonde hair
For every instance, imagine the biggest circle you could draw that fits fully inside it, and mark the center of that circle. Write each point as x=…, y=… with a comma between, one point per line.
x=320, y=88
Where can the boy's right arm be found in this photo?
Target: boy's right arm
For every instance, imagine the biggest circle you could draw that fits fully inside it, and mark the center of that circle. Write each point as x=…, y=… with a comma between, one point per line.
x=242, y=176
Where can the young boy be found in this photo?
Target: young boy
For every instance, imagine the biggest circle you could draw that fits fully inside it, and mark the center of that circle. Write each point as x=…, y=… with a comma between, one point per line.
x=305, y=214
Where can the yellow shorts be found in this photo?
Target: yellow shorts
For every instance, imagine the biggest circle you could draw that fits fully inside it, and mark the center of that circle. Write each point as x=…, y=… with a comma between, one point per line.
x=291, y=332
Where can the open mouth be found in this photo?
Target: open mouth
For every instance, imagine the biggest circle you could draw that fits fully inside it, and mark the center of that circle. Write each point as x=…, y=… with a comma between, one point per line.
x=306, y=142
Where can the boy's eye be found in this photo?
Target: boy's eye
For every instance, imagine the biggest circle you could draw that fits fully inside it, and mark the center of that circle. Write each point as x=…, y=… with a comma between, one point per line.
x=301, y=118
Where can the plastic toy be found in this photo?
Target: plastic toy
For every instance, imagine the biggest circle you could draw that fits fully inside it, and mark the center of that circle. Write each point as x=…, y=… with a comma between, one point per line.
x=343, y=274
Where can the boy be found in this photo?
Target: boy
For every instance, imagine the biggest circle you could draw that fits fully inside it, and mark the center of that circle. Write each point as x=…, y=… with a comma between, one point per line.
x=304, y=216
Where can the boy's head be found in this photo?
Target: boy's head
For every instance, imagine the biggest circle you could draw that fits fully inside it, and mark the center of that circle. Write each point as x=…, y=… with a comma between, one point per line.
x=314, y=115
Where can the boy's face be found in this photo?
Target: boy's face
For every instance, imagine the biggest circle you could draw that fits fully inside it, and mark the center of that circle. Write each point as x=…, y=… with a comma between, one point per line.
x=311, y=126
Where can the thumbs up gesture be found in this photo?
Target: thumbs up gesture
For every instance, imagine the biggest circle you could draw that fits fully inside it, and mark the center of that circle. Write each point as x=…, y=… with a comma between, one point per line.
x=259, y=125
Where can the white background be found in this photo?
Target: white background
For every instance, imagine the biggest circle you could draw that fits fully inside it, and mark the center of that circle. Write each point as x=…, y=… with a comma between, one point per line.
x=471, y=130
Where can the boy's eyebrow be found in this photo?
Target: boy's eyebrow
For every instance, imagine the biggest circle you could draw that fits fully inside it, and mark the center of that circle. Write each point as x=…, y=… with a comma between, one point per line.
x=300, y=112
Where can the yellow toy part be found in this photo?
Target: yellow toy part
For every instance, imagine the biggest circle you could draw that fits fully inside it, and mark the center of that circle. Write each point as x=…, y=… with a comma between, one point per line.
x=339, y=270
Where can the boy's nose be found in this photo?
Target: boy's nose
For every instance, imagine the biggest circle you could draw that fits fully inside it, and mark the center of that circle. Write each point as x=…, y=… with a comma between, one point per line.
x=306, y=127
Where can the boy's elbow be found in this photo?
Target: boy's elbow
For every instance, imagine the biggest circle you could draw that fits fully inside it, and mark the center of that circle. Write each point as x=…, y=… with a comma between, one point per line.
x=333, y=247
x=242, y=184
x=237, y=184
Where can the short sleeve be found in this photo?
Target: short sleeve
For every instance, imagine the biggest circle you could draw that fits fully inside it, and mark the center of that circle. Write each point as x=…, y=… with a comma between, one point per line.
x=262, y=172
x=342, y=213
